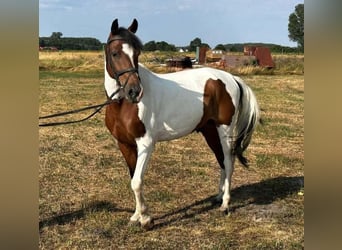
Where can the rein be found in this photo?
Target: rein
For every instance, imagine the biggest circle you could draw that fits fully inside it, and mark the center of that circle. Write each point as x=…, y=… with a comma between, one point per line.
x=97, y=107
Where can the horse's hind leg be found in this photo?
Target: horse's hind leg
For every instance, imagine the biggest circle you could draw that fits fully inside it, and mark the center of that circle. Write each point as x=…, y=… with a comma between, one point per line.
x=212, y=138
x=224, y=132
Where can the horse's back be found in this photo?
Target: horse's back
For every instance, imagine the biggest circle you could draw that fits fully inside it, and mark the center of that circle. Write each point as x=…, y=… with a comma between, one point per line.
x=198, y=78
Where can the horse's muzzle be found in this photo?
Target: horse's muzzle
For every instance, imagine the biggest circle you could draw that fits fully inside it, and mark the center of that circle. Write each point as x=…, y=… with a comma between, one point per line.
x=134, y=93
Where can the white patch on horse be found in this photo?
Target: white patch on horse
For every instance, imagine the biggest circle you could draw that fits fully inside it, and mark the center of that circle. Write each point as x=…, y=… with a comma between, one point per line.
x=128, y=50
x=170, y=118
x=110, y=84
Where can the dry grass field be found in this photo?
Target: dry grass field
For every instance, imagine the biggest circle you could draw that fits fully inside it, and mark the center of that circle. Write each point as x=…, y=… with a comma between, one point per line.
x=85, y=200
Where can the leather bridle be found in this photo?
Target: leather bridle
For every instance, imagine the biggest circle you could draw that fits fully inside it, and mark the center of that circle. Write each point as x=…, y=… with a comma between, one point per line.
x=117, y=74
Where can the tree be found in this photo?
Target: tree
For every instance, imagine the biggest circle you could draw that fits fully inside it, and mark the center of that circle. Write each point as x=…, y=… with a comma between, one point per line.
x=162, y=46
x=195, y=43
x=150, y=46
x=55, y=40
x=205, y=45
x=56, y=35
x=41, y=43
x=233, y=49
x=296, y=26
x=220, y=47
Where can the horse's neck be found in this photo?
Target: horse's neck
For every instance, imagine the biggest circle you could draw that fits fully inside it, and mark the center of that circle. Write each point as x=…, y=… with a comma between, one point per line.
x=151, y=78
x=147, y=76
x=144, y=72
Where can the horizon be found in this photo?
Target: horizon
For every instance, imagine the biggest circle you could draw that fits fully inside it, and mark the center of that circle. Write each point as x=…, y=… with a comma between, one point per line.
x=182, y=46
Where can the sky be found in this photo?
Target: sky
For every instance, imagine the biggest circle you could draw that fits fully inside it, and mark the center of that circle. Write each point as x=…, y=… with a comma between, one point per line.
x=176, y=22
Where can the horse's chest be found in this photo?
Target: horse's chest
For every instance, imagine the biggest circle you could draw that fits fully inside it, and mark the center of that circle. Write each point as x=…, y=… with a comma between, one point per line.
x=123, y=122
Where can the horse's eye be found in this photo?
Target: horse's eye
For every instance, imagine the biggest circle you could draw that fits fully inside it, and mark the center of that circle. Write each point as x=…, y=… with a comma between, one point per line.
x=115, y=54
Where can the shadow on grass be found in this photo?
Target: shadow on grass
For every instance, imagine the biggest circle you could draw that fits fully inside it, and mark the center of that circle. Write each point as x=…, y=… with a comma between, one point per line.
x=95, y=206
x=266, y=191
x=261, y=193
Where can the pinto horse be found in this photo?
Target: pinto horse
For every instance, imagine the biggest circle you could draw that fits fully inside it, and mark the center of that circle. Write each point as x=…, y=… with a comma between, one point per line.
x=148, y=107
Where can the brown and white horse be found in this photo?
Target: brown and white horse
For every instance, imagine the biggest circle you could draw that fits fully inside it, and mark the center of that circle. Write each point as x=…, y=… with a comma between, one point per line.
x=150, y=107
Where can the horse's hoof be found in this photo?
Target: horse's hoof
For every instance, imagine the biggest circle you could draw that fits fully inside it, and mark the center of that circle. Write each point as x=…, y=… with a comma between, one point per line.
x=224, y=210
x=133, y=223
x=148, y=224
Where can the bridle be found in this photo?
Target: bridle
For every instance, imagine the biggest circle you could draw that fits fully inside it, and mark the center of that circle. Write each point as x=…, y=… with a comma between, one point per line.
x=117, y=74
x=97, y=107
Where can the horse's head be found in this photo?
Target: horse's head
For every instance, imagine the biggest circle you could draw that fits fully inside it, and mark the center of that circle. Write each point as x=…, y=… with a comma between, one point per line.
x=122, y=52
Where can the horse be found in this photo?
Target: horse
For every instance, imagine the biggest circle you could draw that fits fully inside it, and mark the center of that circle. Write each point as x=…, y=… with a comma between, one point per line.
x=147, y=108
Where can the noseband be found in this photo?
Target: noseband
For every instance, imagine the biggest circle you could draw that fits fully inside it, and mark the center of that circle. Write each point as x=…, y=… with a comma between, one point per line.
x=117, y=74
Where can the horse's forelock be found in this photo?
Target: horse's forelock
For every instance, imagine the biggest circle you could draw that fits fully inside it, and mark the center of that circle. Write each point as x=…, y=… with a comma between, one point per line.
x=130, y=38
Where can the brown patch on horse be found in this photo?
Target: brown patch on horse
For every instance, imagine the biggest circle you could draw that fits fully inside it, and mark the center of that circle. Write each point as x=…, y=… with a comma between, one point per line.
x=217, y=103
x=212, y=138
x=218, y=108
x=130, y=154
x=124, y=124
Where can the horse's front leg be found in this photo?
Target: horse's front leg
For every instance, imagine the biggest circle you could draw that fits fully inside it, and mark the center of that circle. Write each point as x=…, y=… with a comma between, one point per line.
x=145, y=147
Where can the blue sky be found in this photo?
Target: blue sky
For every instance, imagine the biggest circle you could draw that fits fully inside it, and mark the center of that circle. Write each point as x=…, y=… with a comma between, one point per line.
x=175, y=21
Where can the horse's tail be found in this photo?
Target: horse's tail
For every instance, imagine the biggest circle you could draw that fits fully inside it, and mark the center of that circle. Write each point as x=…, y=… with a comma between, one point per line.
x=247, y=118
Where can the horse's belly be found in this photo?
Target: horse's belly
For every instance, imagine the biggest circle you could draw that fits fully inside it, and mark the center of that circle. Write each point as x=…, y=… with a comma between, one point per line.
x=168, y=133
x=178, y=125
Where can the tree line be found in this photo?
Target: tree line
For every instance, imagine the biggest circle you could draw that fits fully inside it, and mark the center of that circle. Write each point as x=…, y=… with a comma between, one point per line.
x=69, y=43
x=74, y=43
x=235, y=47
x=274, y=48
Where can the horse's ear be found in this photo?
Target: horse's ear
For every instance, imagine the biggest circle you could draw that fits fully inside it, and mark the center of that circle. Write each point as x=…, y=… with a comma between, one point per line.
x=115, y=27
x=134, y=26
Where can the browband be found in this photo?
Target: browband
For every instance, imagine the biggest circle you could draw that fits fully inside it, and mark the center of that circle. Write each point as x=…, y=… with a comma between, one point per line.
x=115, y=38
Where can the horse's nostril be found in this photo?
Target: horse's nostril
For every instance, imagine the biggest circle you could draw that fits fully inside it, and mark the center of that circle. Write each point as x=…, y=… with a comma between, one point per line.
x=131, y=92
x=134, y=92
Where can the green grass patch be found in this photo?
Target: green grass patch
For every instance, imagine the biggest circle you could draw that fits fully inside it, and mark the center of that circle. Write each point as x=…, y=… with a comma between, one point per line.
x=70, y=75
x=269, y=161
